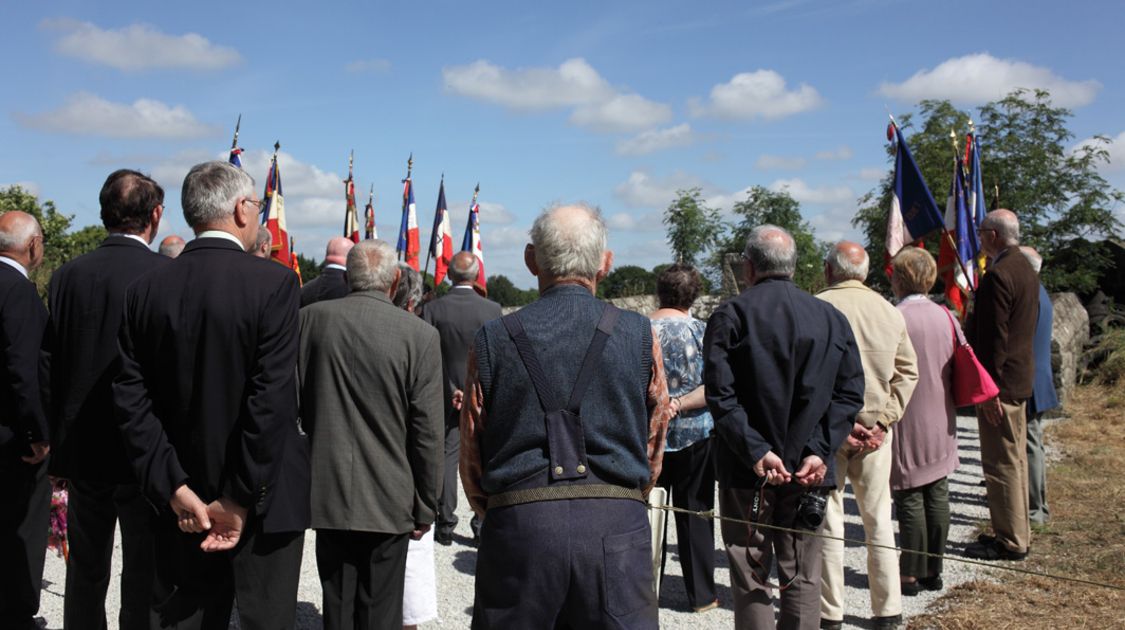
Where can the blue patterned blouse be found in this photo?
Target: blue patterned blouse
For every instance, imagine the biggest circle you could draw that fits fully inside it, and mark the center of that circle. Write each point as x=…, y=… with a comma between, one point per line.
x=681, y=341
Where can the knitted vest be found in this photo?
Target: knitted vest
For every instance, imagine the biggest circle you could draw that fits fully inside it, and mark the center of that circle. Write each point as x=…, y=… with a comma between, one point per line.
x=560, y=325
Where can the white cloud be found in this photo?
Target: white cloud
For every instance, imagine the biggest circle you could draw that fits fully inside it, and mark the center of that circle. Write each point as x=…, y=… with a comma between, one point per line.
x=1115, y=148
x=138, y=47
x=90, y=115
x=978, y=78
x=805, y=193
x=872, y=174
x=574, y=82
x=657, y=140
x=30, y=188
x=373, y=66
x=491, y=213
x=840, y=153
x=624, y=112
x=652, y=221
x=767, y=162
x=724, y=202
x=759, y=94
x=642, y=190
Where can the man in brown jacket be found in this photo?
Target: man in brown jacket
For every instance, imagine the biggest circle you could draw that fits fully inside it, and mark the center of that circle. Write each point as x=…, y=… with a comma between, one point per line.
x=1001, y=330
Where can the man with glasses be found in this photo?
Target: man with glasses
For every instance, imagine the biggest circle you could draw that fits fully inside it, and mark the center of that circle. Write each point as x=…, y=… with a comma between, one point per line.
x=208, y=410
x=1001, y=330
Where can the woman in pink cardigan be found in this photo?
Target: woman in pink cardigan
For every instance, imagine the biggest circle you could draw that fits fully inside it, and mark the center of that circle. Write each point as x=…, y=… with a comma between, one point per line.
x=924, y=451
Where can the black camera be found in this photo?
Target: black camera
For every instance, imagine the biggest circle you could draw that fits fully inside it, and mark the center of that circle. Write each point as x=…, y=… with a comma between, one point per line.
x=810, y=510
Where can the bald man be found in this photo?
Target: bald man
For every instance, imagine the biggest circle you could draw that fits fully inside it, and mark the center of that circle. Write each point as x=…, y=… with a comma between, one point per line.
x=25, y=495
x=1001, y=329
x=457, y=315
x=172, y=245
x=263, y=245
x=332, y=282
x=890, y=370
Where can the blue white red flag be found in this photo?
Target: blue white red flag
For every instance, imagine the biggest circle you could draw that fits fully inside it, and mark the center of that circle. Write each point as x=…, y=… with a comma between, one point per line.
x=273, y=216
x=471, y=241
x=408, y=242
x=441, y=238
x=234, y=157
x=959, y=245
x=913, y=213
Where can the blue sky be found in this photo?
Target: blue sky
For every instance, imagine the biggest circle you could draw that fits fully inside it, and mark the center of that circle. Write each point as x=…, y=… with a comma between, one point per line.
x=614, y=103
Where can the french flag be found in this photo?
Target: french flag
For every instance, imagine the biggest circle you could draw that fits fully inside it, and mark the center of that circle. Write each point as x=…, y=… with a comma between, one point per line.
x=408, y=242
x=441, y=239
x=471, y=241
x=913, y=213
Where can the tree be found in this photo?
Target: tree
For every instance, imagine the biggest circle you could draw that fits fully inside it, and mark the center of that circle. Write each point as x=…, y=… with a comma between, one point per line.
x=310, y=268
x=781, y=209
x=503, y=292
x=626, y=281
x=692, y=226
x=1064, y=205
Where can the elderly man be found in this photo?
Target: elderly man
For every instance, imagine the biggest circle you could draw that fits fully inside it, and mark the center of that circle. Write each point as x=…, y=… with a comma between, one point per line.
x=457, y=315
x=25, y=496
x=207, y=402
x=370, y=402
x=890, y=370
x=87, y=296
x=1043, y=399
x=1002, y=330
x=172, y=246
x=262, y=245
x=332, y=282
x=783, y=381
x=562, y=433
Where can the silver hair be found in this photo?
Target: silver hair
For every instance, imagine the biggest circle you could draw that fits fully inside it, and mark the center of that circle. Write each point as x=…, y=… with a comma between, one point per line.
x=1035, y=259
x=844, y=269
x=210, y=191
x=372, y=266
x=571, y=246
x=171, y=250
x=264, y=237
x=409, y=291
x=468, y=274
x=19, y=234
x=772, y=257
x=1007, y=227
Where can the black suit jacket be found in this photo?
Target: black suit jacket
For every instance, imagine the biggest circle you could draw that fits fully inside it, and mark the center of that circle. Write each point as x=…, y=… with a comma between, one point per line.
x=86, y=297
x=207, y=393
x=457, y=315
x=23, y=321
x=782, y=373
x=329, y=285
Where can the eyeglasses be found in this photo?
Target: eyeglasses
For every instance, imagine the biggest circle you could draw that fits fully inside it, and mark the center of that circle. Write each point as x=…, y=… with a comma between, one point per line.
x=260, y=204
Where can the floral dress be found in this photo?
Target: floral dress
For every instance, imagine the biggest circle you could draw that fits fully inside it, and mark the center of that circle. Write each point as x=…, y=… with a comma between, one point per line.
x=681, y=340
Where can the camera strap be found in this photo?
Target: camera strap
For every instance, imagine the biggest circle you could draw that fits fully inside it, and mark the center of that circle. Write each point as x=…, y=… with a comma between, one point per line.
x=759, y=571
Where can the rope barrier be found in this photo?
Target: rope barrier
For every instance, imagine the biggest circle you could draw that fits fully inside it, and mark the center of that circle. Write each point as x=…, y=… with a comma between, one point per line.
x=710, y=514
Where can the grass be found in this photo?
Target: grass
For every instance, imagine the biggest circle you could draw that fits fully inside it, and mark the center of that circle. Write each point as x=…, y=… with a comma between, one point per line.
x=1085, y=538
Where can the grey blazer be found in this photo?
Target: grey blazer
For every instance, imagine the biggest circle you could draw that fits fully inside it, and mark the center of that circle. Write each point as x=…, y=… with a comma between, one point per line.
x=371, y=402
x=458, y=315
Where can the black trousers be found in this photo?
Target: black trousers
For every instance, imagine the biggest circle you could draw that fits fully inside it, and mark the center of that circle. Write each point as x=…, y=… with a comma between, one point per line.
x=362, y=576
x=25, y=506
x=195, y=590
x=447, y=505
x=569, y=564
x=689, y=476
x=93, y=508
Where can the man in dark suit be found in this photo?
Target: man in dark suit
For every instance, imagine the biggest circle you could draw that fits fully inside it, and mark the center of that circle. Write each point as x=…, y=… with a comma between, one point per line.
x=784, y=382
x=457, y=315
x=206, y=400
x=332, y=282
x=86, y=297
x=25, y=495
x=1001, y=330
x=371, y=402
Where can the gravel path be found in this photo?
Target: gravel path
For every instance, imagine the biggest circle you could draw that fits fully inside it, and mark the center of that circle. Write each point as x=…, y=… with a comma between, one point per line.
x=455, y=565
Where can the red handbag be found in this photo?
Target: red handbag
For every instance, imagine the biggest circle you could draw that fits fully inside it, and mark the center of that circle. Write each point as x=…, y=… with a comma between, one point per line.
x=972, y=384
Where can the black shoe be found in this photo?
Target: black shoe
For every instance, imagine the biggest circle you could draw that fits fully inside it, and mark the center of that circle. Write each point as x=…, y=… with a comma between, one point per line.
x=910, y=589
x=887, y=623
x=993, y=551
x=986, y=539
x=931, y=583
x=827, y=624
x=443, y=538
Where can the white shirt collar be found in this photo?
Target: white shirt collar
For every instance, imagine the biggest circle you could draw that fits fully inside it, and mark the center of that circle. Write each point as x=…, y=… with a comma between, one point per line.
x=335, y=266
x=15, y=265
x=463, y=286
x=132, y=236
x=220, y=234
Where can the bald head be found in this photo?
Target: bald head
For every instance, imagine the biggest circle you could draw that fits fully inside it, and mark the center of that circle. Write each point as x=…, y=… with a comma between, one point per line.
x=464, y=267
x=570, y=241
x=770, y=252
x=263, y=244
x=21, y=238
x=337, y=251
x=846, y=260
x=1032, y=257
x=1001, y=230
x=171, y=246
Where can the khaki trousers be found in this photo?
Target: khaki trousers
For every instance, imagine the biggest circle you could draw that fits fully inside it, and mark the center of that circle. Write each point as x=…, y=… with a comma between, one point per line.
x=870, y=475
x=1003, y=457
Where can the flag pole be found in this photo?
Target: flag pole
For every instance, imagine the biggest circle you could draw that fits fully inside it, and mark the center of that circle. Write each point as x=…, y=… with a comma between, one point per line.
x=401, y=233
x=234, y=142
x=949, y=237
x=370, y=204
x=430, y=249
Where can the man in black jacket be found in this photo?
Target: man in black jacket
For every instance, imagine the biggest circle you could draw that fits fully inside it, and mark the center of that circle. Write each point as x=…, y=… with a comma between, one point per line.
x=207, y=404
x=86, y=297
x=25, y=496
x=457, y=315
x=332, y=282
x=784, y=382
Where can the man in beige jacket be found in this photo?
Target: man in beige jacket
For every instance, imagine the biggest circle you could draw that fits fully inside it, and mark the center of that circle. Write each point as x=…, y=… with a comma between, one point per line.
x=890, y=371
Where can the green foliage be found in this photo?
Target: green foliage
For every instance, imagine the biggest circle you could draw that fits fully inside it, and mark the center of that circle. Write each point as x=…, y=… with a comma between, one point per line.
x=310, y=268
x=778, y=208
x=626, y=281
x=692, y=226
x=503, y=292
x=428, y=284
x=1064, y=205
